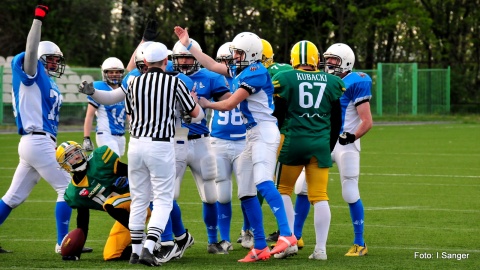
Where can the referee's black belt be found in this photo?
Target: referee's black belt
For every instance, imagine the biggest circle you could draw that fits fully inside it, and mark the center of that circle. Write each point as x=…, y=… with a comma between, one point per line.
x=101, y=132
x=197, y=136
x=154, y=139
x=44, y=134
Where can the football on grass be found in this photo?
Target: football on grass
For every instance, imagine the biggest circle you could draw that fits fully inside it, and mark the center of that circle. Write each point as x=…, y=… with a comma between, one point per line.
x=73, y=243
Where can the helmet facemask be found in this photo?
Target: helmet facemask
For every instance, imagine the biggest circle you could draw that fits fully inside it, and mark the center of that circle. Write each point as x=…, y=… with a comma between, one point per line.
x=333, y=65
x=186, y=69
x=71, y=157
x=115, y=78
x=54, y=64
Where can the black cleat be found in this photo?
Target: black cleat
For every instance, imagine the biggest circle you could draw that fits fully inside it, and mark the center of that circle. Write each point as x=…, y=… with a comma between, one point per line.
x=273, y=237
x=134, y=258
x=147, y=258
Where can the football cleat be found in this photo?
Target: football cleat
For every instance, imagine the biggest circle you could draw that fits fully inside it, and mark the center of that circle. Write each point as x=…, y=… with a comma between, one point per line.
x=256, y=255
x=134, y=258
x=166, y=253
x=290, y=251
x=216, y=248
x=239, y=240
x=318, y=255
x=58, y=249
x=247, y=239
x=300, y=243
x=227, y=246
x=183, y=244
x=4, y=250
x=283, y=243
x=357, y=251
x=147, y=258
x=273, y=237
x=87, y=250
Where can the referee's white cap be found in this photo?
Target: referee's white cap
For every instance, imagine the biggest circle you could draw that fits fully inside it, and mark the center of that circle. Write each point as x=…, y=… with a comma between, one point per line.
x=155, y=52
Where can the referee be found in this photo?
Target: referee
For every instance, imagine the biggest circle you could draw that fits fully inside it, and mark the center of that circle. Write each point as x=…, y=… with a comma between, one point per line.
x=150, y=101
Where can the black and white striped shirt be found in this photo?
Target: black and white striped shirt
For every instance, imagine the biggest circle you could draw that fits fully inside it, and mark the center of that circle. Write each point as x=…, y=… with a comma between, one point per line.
x=150, y=101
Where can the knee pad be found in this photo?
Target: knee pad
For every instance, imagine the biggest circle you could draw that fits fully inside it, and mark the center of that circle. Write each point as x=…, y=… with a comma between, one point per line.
x=350, y=192
x=208, y=168
x=224, y=191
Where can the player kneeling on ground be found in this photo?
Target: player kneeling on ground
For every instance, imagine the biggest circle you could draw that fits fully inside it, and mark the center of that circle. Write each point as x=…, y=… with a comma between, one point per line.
x=99, y=182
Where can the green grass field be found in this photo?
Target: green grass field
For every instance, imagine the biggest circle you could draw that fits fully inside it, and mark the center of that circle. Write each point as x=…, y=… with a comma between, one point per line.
x=420, y=185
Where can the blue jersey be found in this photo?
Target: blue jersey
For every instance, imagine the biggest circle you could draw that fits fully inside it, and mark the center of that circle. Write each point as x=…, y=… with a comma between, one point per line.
x=227, y=125
x=129, y=77
x=110, y=118
x=258, y=106
x=359, y=90
x=209, y=85
x=169, y=66
x=36, y=100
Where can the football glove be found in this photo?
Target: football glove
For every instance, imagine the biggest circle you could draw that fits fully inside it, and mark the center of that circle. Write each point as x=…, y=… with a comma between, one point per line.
x=187, y=119
x=86, y=88
x=41, y=12
x=346, y=138
x=87, y=144
x=121, y=182
x=151, y=32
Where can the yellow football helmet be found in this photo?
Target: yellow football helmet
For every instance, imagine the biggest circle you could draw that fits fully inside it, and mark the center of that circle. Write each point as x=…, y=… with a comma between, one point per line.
x=71, y=150
x=267, y=56
x=304, y=53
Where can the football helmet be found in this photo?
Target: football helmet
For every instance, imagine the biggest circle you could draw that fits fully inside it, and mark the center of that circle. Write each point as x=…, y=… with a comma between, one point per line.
x=224, y=54
x=47, y=50
x=249, y=46
x=71, y=156
x=267, y=55
x=181, y=51
x=112, y=63
x=345, y=59
x=304, y=53
x=139, y=57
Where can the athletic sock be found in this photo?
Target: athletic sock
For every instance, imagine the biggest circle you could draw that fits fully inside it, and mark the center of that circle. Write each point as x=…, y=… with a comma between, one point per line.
x=302, y=207
x=254, y=212
x=177, y=222
x=5, y=210
x=274, y=200
x=167, y=234
x=210, y=219
x=321, y=220
x=63, y=212
x=358, y=215
x=224, y=219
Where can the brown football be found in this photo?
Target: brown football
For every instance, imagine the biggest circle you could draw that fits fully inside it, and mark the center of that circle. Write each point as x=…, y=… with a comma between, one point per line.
x=73, y=243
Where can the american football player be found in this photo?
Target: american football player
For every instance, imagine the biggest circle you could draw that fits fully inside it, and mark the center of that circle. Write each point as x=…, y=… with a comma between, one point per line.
x=253, y=92
x=99, y=182
x=308, y=96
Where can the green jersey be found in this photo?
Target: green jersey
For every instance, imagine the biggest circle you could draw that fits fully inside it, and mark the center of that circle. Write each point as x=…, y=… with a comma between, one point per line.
x=276, y=68
x=97, y=186
x=309, y=96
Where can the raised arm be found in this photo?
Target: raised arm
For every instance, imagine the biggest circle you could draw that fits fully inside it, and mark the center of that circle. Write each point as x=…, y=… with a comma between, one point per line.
x=204, y=59
x=33, y=39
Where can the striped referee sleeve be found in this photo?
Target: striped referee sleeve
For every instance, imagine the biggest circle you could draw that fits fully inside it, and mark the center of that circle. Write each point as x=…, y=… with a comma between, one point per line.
x=151, y=102
x=184, y=97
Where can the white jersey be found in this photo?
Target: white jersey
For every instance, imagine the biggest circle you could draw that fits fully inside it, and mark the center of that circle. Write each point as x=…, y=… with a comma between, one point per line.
x=110, y=118
x=358, y=85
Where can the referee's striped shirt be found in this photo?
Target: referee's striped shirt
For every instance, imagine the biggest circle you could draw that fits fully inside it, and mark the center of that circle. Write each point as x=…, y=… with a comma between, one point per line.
x=151, y=100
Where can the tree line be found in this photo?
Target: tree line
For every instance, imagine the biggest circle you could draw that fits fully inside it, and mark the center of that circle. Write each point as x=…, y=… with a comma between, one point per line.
x=432, y=33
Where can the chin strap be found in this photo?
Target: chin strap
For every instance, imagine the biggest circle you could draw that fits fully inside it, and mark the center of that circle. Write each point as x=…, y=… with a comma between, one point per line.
x=81, y=166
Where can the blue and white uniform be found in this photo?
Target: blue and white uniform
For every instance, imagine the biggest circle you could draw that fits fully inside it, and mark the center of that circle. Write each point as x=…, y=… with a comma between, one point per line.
x=110, y=129
x=36, y=107
x=200, y=158
x=228, y=133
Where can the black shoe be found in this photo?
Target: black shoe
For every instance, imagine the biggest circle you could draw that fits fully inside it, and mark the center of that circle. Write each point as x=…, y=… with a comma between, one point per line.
x=166, y=253
x=216, y=248
x=87, y=249
x=4, y=250
x=273, y=237
x=183, y=244
x=134, y=258
x=147, y=258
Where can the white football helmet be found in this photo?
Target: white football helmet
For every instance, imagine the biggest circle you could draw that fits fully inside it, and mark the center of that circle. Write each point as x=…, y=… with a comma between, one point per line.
x=181, y=51
x=139, y=57
x=112, y=63
x=344, y=56
x=250, y=46
x=224, y=54
x=48, y=49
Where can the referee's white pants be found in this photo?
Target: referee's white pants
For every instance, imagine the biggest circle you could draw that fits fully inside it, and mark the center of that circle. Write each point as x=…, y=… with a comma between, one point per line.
x=116, y=143
x=151, y=169
x=257, y=162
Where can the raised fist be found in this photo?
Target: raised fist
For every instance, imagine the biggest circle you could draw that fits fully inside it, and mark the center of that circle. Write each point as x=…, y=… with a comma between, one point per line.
x=41, y=12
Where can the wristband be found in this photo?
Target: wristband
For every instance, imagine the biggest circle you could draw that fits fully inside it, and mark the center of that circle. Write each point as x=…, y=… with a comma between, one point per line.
x=189, y=46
